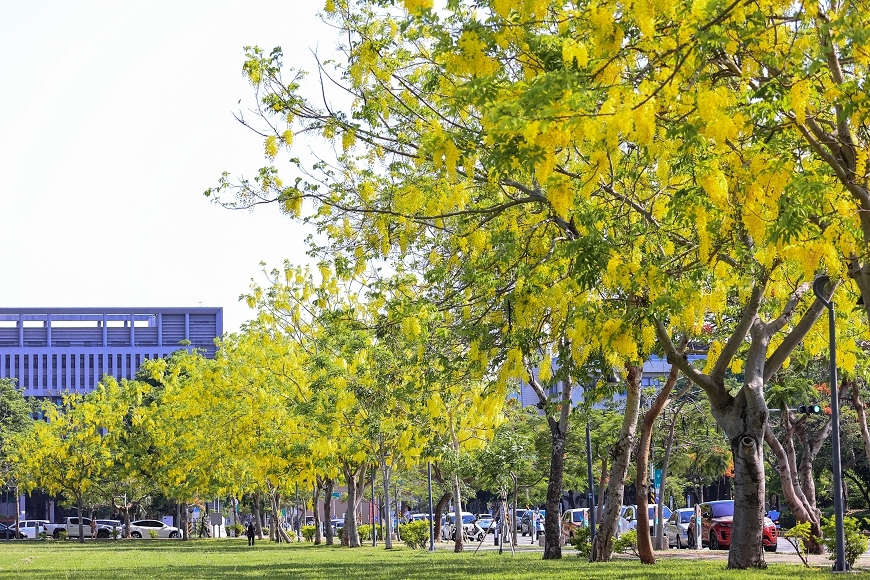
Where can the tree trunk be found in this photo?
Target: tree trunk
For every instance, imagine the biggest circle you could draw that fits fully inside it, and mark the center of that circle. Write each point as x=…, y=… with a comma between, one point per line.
x=458, y=529
x=355, y=480
x=602, y=548
x=327, y=509
x=858, y=405
x=641, y=484
x=552, y=531
x=318, y=529
x=387, y=521
x=439, y=510
x=81, y=524
x=660, y=542
x=184, y=523
x=257, y=520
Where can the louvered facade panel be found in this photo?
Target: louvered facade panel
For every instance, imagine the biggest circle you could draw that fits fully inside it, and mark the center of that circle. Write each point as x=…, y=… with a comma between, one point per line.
x=88, y=343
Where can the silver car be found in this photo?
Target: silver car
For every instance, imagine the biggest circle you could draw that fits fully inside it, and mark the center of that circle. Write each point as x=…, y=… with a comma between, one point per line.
x=31, y=528
x=677, y=528
x=143, y=529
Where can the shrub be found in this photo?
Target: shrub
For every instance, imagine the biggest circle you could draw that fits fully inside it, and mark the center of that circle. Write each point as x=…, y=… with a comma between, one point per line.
x=61, y=535
x=856, y=543
x=238, y=530
x=581, y=542
x=415, y=534
x=797, y=536
x=365, y=532
x=308, y=532
x=42, y=536
x=625, y=542
x=152, y=534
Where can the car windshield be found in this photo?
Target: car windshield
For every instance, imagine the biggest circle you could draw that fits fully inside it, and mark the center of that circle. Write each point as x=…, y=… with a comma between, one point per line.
x=719, y=510
x=468, y=519
x=578, y=516
x=666, y=511
x=685, y=517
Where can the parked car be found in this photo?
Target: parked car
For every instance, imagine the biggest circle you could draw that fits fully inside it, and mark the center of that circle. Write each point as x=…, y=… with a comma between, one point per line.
x=716, y=523
x=105, y=527
x=518, y=516
x=486, y=523
x=469, y=527
x=532, y=523
x=629, y=513
x=31, y=528
x=572, y=520
x=677, y=528
x=9, y=533
x=142, y=529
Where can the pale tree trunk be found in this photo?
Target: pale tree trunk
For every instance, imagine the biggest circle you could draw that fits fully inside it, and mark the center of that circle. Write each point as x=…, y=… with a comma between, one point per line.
x=329, y=485
x=858, y=405
x=257, y=520
x=81, y=525
x=602, y=548
x=387, y=521
x=557, y=421
x=644, y=542
x=803, y=509
x=355, y=480
x=743, y=417
x=276, y=531
x=184, y=522
x=318, y=529
x=458, y=529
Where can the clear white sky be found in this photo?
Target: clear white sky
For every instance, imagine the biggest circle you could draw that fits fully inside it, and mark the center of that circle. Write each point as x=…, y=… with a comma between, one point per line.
x=115, y=116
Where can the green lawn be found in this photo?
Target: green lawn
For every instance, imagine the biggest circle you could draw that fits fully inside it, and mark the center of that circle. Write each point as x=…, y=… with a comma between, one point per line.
x=231, y=558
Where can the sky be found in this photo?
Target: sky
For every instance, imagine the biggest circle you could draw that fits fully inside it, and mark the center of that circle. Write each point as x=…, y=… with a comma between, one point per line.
x=114, y=118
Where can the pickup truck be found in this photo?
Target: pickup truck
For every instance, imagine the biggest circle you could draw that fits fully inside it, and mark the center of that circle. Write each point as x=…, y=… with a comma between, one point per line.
x=71, y=527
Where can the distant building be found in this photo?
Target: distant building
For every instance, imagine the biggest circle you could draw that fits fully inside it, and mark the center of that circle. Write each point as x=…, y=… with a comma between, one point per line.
x=52, y=351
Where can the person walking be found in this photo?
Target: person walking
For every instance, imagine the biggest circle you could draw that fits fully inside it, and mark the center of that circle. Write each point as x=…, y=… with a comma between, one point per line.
x=251, y=532
x=93, y=528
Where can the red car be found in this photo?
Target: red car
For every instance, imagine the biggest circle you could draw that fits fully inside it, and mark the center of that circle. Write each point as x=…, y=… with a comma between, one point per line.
x=716, y=522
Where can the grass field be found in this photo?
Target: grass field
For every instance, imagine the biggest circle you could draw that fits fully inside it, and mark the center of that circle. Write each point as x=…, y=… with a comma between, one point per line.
x=231, y=558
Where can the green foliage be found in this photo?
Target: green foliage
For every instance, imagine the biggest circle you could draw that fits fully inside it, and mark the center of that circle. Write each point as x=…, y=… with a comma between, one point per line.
x=856, y=542
x=308, y=532
x=62, y=535
x=238, y=530
x=153, y=534
x=582, y=542
x=626, y=542
x=415, y=534
x=797, y=536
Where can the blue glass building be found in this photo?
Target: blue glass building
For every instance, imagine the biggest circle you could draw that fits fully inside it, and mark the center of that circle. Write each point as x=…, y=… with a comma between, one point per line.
x=52, y=351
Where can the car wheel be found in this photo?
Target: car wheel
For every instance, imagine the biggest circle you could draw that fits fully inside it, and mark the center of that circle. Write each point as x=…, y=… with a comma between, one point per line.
x=56, y=534
x=137, y=535
x=103, y=534
x=770, y=548
x=714, y=543
x=480, y=537
x=173, y=535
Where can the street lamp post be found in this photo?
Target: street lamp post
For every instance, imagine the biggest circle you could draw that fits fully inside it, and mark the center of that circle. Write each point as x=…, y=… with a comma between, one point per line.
x=840, y=564
x=431, y=514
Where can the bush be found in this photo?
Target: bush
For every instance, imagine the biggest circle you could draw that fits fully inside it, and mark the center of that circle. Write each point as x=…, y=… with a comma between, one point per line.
x=308, y=532
x=238, y=530
x=415, y=534
x=856, y=543
x=365, y=532
x=582, y=542
x=625, y=542
x=153, y=534
x=61, y=535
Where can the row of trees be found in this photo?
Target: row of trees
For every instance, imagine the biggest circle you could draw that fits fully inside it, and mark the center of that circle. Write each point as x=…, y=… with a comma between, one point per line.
x=592, y=182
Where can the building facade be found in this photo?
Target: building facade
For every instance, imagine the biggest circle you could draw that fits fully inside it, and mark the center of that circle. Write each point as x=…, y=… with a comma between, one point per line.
x=52, y=351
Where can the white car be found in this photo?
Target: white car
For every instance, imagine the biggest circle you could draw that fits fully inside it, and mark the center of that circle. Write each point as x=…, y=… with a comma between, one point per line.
x=31, y=528
x=143, y=529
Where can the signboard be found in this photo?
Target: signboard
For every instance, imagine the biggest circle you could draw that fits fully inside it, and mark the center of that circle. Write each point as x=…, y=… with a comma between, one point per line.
x=657, y=478
x=336, y=494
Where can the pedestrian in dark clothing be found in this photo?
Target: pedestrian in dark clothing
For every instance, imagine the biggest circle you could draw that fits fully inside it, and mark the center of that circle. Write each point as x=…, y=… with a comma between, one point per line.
x=251, y=531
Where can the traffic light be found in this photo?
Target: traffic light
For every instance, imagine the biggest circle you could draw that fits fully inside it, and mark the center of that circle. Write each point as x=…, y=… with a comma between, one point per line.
x=810, y=409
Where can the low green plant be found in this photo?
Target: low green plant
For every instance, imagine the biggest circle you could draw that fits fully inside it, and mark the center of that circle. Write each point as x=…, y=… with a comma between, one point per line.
x=62, y=535
x=365, y=532
x=856, y=542
x=582, y=542
x=238, y=530
x=308, y=532
x=115, y=533
x=415, y=534
x=42, y=536
x=797, y=536
x=152, y=534
x=626, y=542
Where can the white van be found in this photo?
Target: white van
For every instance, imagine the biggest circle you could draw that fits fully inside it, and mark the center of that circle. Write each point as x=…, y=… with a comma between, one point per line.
x=31, y=528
